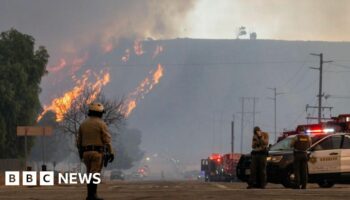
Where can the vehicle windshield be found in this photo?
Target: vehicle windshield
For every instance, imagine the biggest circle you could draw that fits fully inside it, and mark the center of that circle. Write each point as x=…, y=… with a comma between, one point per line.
x=284, y=145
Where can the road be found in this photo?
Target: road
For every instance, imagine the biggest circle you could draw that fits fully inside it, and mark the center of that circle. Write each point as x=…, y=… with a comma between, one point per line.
x=169, y=190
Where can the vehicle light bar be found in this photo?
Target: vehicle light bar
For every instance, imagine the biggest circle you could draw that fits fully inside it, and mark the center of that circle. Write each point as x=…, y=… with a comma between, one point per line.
x=326, y=130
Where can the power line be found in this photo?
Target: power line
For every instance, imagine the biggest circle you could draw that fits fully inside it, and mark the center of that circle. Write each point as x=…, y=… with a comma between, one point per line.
x=331, y=71
x=299, y=80
x=340, y=65
x=210, y=64
x=295, y=75
x=303, y=112
x=307, y=86
x=336, y=96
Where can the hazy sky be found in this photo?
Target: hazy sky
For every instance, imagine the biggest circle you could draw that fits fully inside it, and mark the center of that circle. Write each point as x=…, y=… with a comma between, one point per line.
x=326, y=20
x=67, y=26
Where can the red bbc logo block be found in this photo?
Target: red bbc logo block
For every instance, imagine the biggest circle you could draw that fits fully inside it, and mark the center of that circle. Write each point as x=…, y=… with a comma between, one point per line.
x=29, y=178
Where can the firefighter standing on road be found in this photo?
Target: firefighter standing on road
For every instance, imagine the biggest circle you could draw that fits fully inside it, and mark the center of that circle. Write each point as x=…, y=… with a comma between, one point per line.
x=259, y=153
x=92, y=137
x=300, y=144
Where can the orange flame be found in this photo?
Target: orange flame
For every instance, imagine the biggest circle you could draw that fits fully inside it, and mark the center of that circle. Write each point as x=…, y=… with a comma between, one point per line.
x=138, y=48
x=62, y=104
x=75, y=63
x=144, y=88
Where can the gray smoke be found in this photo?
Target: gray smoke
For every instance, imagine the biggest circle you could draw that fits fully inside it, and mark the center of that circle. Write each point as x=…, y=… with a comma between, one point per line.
x=71, y=26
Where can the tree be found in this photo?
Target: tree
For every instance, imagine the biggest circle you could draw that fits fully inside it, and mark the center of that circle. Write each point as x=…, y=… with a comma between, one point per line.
x=21, y=70
x=127, y=144
x=241, y=31
x=78, y=111
x=125, y=141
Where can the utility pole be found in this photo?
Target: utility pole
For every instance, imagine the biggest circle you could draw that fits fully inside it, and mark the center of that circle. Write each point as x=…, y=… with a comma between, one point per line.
x=242, y=123
x=254, y=113
x=233, y=134
x=320, y=94
x=274, y=98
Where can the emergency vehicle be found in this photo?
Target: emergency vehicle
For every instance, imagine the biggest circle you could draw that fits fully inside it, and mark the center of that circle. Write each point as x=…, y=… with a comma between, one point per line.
x=338, y=124
x=219, y=167
x=329, y=161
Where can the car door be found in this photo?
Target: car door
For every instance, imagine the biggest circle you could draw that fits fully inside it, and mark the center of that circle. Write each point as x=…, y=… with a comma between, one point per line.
x=325, y=156
x=345, y=155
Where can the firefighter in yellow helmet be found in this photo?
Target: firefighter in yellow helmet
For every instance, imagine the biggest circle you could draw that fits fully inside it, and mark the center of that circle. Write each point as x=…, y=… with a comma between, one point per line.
x=92, y=138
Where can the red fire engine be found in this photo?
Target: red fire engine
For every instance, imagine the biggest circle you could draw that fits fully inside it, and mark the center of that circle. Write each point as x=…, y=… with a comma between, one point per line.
x=336, y=124
x=220, y=167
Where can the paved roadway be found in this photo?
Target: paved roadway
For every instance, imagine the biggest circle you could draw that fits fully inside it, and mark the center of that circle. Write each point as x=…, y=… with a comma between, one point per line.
x=170, y=190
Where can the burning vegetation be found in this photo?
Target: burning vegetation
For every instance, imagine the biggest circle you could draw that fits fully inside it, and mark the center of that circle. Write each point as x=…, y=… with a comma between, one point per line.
x=144, y=88
x=94, y=82
x=62, y=104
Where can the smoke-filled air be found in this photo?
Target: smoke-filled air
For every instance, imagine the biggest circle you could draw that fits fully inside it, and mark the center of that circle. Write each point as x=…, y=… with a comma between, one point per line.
x=177, y=72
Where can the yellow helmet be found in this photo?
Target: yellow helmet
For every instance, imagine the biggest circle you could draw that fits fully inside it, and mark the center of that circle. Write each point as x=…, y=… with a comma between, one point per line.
x=97, y=107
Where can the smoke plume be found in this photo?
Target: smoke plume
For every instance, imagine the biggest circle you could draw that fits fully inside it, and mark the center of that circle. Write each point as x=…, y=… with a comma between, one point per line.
x=68, y=27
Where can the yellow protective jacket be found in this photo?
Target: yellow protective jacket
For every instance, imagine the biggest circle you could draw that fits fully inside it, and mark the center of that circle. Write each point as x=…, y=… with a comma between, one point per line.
x=94, y=131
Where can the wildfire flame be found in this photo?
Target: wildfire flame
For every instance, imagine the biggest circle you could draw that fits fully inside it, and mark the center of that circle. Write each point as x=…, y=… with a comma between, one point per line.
x=144, y=88
x=75, y=64
x=62, y=104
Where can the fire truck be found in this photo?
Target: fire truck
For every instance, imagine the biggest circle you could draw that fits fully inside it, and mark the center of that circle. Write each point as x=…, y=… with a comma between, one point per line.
x=336, y=124
x=219, y=167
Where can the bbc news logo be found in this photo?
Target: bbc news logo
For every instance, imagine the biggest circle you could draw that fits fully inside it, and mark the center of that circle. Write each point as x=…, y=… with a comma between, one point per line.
x=47, y=178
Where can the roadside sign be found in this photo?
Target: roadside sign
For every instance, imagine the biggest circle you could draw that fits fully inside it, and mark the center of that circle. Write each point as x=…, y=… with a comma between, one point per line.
x=34, y=130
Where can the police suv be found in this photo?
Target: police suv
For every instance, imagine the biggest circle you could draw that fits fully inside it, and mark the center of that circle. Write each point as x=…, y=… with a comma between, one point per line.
x=329, y=161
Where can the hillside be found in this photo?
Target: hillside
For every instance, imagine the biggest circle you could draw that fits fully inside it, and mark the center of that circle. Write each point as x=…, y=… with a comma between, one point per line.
x=188, y=114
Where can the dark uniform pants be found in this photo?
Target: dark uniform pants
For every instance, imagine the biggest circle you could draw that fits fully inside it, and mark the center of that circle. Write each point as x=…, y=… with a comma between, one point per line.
x=93, y=161
x=258, y=170
x=300, y=169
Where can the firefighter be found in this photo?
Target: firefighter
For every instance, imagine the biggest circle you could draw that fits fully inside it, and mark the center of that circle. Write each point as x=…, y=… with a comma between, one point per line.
x=259, y=153
x=300, y=144
x=93, y=136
